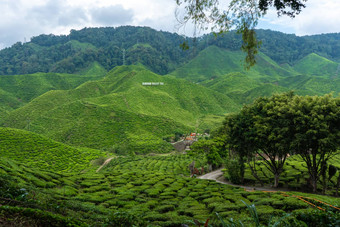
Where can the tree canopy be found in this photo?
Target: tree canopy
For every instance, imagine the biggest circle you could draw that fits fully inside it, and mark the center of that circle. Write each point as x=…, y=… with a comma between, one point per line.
x=242, y=15
x=286, y=124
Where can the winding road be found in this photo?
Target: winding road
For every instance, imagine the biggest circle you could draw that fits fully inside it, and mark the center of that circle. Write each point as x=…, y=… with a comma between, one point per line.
x=217, y=176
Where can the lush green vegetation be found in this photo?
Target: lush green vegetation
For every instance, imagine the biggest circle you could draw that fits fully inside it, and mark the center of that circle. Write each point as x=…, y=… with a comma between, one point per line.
x=213, y=62
x=294, y=176
x=159, y=51
x=63, y=121
x=221, y=70
x=134, y=116
x=272, y=128
x=34, y=150
x=156, y=189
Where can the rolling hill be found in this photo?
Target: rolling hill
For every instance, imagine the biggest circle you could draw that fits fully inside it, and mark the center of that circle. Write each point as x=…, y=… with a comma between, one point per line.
x=27, y=87
x=316, y=65
x=71, y=114
x=119, y=109
x=213, y=62
x=222, y=70
x=33, y=150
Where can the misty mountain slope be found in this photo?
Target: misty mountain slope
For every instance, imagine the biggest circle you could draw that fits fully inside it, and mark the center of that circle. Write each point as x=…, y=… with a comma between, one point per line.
x=119, y=109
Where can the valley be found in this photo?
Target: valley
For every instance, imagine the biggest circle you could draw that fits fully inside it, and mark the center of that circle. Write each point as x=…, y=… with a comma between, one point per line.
x=85, y=140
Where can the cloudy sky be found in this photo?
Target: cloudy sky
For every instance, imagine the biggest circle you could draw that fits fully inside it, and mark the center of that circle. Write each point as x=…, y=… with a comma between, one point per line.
x=22, y=19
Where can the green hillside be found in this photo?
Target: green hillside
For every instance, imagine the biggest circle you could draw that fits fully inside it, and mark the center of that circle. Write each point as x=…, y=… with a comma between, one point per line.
x=119, y=110
x=265, y=90
x=27, y=87
x=316, y=65
x=222, y=70
x=311, y=85
x=7, y=103
x=33, y=150
x=213, y=62
x=232, y=83
x=157, y=50
x=84, y=146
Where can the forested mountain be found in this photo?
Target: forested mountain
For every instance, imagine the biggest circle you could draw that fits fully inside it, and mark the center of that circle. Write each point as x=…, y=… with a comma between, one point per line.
x=158, y=51
x=281, y=47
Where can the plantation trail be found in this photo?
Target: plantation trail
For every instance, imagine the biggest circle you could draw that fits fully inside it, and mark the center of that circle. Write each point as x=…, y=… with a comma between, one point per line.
x=217, y=176
x=107, y=161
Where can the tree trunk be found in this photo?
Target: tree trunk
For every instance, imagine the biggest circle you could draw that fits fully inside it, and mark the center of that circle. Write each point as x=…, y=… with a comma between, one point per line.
x=337, y=186
x=324, y=182
x=242, y=167
x=324, y=177
x=276, y=180
x=314, y=183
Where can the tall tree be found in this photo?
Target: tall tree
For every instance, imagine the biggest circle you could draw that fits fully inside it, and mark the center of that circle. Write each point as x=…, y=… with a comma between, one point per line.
x=238, y=130
x=263, y=129
x=273, y=131
x=316, y=132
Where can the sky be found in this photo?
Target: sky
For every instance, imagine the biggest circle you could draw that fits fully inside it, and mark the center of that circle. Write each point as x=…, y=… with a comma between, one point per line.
x=22, y=19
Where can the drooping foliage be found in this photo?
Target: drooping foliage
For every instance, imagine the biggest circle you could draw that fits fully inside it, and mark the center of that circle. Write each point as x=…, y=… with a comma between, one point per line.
x=241, y=15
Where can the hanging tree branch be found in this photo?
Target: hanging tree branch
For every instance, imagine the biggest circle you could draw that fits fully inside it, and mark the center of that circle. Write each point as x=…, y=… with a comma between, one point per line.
x=241, y=15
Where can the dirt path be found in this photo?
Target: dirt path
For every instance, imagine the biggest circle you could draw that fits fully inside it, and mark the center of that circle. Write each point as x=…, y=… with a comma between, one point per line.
x=217, y=176
x=107, y=161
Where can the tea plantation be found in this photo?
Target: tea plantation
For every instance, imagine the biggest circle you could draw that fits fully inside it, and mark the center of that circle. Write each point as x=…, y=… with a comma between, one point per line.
x=156, y=190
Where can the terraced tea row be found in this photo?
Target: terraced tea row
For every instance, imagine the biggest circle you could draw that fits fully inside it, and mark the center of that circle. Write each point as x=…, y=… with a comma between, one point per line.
x=156, y=188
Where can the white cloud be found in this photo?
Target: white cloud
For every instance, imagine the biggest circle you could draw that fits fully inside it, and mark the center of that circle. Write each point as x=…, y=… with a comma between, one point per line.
x=318, y=17
x=111, y=15
x=27, y=18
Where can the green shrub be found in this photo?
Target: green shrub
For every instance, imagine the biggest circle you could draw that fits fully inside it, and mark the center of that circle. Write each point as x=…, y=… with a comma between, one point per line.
x=123, y=219
x=165, y=208
x=315, y=217
x=35, y=217
x=291, y=203
x=154, y=216
x=235, y=171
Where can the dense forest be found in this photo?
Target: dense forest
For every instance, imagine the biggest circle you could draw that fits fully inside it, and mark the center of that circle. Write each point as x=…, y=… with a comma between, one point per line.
x=159, y=51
